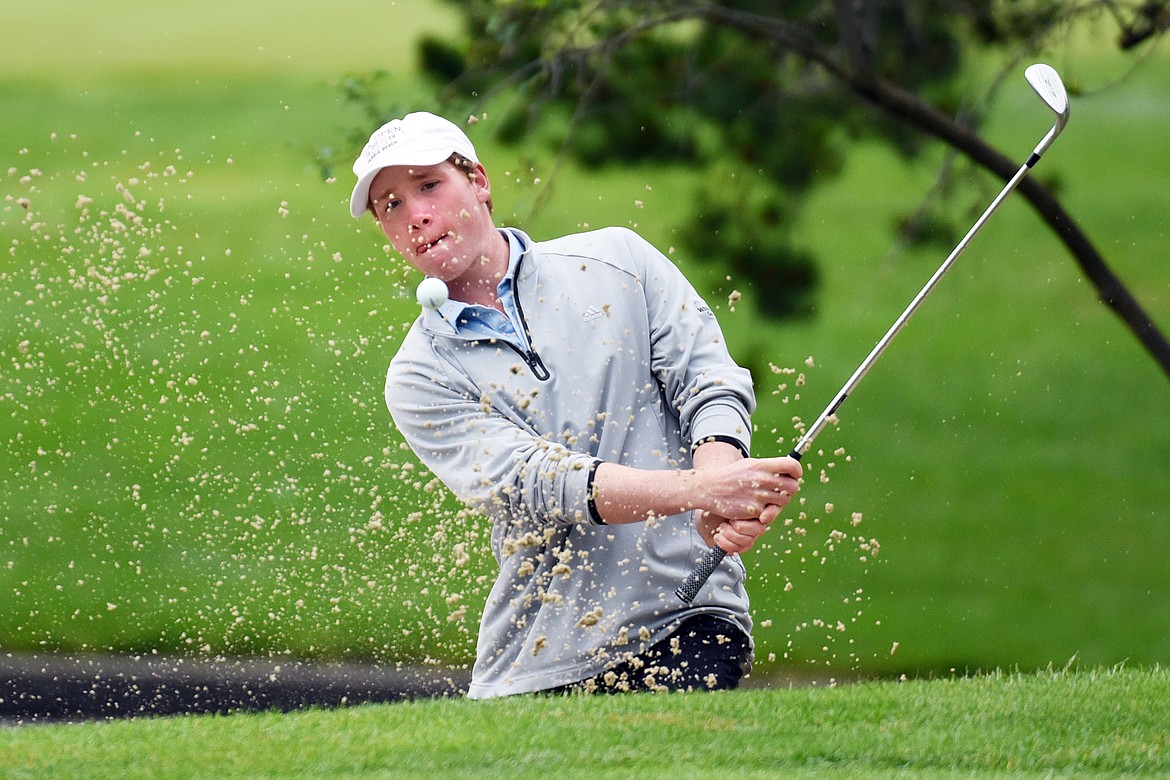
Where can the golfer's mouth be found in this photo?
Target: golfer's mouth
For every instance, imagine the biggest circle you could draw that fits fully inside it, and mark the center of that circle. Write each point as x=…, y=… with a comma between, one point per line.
x=424, y=248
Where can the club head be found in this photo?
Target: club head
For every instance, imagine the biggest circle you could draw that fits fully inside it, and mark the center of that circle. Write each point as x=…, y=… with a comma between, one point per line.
x=1046, y=81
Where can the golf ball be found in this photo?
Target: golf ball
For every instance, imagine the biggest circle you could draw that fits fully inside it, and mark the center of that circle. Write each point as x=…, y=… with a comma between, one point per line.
x=431, y=293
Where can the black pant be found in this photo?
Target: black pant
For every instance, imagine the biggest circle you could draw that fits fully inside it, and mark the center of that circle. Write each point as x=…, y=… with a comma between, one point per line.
x=705, y=653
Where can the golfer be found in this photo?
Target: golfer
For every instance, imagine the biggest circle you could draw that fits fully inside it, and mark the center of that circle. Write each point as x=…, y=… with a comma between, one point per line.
x=579, y=393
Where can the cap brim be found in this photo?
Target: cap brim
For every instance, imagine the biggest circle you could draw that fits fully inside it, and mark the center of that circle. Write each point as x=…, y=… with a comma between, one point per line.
x=359, y=199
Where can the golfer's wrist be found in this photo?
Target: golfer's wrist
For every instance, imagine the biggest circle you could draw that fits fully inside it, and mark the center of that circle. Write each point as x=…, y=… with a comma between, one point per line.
x=703, y=489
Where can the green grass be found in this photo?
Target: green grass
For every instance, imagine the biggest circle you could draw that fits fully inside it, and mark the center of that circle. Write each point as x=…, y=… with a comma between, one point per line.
x=1105, y=723
x=69, y=42
x=197, y=459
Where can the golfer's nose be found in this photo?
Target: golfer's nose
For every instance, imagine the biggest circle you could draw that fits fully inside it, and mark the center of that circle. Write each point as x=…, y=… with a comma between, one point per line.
x=420, y=219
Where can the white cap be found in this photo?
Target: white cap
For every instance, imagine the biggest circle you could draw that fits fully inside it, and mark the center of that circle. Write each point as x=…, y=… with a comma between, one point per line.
x=420, y=138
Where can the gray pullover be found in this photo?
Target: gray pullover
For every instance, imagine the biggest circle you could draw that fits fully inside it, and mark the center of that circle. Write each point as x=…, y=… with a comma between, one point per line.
x=627, y=364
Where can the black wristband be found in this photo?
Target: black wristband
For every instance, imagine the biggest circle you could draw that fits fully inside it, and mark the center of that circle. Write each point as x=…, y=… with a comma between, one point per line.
x=594, y=515
x=739, y=445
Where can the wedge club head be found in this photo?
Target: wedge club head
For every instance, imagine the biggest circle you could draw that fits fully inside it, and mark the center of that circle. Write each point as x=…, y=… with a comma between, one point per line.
x=1046, y=81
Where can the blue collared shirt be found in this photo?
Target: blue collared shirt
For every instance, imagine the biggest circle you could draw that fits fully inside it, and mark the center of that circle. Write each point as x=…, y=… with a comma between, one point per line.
x=485, y=321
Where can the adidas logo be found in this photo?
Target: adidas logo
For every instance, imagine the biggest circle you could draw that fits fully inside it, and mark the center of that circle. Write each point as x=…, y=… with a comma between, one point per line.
x=592, y=313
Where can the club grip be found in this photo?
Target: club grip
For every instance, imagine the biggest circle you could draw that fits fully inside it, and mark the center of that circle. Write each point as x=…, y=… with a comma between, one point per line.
x=694, y=581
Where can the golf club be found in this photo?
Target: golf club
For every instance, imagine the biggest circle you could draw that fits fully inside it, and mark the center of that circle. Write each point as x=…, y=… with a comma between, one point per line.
x=1047, y=84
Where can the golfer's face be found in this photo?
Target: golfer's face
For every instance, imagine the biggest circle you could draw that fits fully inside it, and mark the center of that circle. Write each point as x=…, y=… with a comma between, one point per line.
x=433, y=216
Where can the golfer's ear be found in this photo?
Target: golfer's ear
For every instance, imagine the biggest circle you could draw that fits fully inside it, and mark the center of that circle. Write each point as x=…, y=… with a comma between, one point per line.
x=483, y=185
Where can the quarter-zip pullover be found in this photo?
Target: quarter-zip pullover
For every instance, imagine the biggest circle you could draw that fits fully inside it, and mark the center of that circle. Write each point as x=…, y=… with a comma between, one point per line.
x=624, y=362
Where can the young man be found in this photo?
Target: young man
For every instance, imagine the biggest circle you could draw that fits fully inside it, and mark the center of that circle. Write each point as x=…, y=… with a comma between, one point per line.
x=577, y=392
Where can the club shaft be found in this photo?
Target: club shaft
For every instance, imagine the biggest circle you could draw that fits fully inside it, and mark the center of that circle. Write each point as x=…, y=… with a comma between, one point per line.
x=819, y=424
x=689, y=589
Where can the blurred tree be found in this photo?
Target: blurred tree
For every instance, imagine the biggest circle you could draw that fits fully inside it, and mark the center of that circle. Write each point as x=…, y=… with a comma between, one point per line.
x=763, y=98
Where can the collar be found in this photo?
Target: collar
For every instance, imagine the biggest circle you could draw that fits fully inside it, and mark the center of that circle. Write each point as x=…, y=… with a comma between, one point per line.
x=445, y=316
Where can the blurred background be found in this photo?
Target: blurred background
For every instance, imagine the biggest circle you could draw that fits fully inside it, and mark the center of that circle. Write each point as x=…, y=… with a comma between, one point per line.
x=196, y=456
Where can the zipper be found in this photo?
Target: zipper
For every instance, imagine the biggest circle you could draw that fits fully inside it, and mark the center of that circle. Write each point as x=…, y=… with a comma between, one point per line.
x=530, y=357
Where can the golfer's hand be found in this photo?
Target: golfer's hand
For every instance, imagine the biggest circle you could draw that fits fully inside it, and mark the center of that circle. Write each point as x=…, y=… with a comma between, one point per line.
x=734, y=536
x=750, y=488
x=745, y=497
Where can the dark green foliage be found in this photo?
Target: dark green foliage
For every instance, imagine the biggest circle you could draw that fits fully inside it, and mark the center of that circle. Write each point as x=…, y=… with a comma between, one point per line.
x=440, y=59
x=744, y=226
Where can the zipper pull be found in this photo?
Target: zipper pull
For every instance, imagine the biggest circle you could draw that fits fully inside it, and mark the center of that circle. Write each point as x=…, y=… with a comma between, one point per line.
x=537, y=365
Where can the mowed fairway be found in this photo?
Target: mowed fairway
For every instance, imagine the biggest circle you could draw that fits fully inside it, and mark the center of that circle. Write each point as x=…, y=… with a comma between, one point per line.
x=193, y=336
x=1106, y=724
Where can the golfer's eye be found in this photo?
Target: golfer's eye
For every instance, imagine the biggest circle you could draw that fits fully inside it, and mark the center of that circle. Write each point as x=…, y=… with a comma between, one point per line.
x=430, y=185
x=391, y=204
